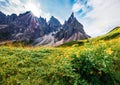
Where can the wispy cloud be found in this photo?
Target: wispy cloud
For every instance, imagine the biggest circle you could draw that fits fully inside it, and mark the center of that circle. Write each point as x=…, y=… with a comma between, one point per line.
x=82, y=7
x=105, y=15
x=2, y=0
x=77, y=6
x=45, y=8
x=20, y=6
x=12, y=6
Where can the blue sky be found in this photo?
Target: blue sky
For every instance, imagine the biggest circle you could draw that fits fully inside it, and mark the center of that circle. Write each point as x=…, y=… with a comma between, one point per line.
x=97, y=16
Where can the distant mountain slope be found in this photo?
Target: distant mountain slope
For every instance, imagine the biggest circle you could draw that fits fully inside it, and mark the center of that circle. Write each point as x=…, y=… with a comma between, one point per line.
x=113, y=34
x=28, y=28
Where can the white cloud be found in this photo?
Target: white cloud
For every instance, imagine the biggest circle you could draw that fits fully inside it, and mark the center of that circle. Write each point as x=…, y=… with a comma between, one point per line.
x=16, y=2
x=2, y=0
x=103, y=17
x=79, y=5
x=76, y=7
x=17, y=6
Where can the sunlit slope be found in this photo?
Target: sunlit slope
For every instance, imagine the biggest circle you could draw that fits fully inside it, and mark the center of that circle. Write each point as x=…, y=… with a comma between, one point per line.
x=113, y=34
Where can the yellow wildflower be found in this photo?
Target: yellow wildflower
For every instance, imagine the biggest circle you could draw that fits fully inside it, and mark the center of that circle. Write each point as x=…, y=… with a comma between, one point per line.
x=109, y=51
x=82, y=48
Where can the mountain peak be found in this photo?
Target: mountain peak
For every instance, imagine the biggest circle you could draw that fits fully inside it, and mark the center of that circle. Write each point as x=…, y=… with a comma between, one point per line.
x=27, y=12
x=72, y=15
x=54, y=21
x=1, y=13
x=52, y=17
x=26, y=27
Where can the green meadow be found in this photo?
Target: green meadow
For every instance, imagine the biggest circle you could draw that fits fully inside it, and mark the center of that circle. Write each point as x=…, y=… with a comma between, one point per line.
x=95, y=61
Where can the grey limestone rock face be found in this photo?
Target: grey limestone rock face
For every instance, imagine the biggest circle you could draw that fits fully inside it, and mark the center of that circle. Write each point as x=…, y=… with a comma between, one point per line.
x=54, y=24
x=72, y=30
x=27, y=27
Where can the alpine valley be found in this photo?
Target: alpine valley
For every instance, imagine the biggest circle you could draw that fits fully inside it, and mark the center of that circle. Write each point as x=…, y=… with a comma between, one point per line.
x=28, y=55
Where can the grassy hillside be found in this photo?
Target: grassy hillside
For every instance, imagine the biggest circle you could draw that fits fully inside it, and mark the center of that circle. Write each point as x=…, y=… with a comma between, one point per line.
x=86, y=62
x=115, y=33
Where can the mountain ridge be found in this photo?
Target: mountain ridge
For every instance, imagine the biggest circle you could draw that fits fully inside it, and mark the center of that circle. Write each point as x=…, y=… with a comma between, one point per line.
x=26, y=27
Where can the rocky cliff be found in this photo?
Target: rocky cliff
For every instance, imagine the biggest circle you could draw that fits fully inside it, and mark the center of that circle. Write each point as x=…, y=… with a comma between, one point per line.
x=26, y=27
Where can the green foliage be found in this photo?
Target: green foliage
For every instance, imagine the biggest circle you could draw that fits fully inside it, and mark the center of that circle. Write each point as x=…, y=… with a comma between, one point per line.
x=33, y=67
x=75, y=45
x=79, y=43
x=115, y=33
x=92, y=63
x=95, y=66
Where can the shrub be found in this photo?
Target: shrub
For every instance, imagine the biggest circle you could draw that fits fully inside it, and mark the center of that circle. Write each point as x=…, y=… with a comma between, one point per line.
x=95, y=66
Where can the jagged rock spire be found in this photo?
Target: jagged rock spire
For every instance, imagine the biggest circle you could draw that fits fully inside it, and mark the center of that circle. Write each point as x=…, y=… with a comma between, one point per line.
x=72, y=15
x=71, y=18
x=54, y=21
x=27, y=27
